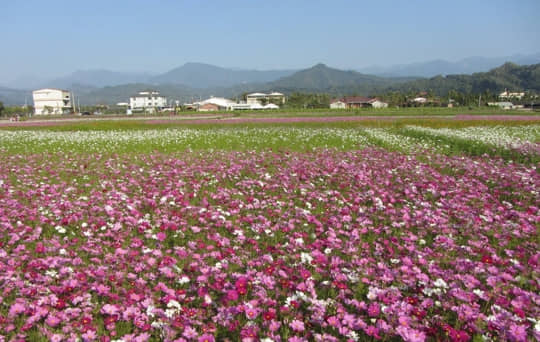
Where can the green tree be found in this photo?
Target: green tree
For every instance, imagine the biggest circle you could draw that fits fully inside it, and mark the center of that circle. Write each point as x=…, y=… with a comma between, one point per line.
x=1, y=108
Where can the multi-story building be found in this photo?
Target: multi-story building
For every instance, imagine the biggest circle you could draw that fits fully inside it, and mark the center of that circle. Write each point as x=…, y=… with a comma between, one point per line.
x=52, y=101
x=505, y=95
x=148, y=101
x=262, y=98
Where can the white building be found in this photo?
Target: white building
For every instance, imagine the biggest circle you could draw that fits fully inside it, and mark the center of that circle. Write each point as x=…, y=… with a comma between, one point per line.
x=379, y=104
x=52, y=101
x=357, y=102
x=502, y=105
x=148, y=100
x=338, y=104
x=508, y=95
x=274, y=97
x=220, y=102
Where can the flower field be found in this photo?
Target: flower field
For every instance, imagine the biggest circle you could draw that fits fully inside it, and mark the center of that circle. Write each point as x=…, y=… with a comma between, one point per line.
x=270, y=234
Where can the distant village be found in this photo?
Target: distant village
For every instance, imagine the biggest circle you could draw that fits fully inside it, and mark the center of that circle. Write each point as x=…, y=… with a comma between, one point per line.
x=51, y=101
x=58, y=101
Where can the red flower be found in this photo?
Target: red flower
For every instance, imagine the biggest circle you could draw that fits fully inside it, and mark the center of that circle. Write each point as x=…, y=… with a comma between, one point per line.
x=110, y=319
x=60, y=304
x=487, y=259
x=269, y=315
x=86, y=320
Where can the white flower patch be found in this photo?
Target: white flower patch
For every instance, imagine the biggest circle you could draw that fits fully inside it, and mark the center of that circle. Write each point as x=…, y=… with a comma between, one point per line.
x=183, y=280
x=60, y=229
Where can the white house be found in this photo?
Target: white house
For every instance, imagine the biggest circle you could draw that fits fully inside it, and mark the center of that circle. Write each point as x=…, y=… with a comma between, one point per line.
x=379, y=104
x=271, y=106
x=52, y=101
x=508, y=95
x=220, y=103
x=273, y=97
x=148, y=100
x=357, y=102
x=502, y=105
x=338, y=104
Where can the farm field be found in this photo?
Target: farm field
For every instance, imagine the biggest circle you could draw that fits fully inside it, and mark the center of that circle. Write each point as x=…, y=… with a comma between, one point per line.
x=409, y=229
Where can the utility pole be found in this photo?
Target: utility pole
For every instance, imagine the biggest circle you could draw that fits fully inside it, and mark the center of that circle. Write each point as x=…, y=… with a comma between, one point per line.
x=479, y=98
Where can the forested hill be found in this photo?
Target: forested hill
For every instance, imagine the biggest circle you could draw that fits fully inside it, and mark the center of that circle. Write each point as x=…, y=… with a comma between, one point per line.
x=321, y=78
x=508, y=76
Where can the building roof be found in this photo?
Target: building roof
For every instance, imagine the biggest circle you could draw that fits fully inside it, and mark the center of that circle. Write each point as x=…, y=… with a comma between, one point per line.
x=148, y=95
x=275, y=93
x=219, y=101
x=208, y=105
x=353, y=99
x=357, y=99
x=256, y=94
x=48, y=89
x=147, y=92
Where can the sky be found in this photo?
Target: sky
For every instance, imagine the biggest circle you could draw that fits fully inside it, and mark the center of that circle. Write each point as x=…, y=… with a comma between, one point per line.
x=52, y=38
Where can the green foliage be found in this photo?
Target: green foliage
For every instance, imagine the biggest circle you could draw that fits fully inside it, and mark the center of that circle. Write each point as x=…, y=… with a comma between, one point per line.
x=301, y=100
x=12, y=111
x=508, y=76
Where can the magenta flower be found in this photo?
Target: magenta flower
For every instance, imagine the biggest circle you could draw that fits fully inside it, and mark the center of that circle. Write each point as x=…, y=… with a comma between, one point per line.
x=374, y=310
x=206, y=338
x=232, y=295
x=517, y=332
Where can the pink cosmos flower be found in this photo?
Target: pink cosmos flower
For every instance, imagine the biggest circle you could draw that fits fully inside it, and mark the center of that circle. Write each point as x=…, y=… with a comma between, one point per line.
x=517, y=332
x=232, y=295
x=190, y=333
x=206, y=338
x=16, y=309
x=411, y=335
x=333, y=321
x=52, y=320
x=109, y=309
x=374, y=310
x=251, y=313
x=89, y=335
x=161, y=236
x=297, y=325
x=57, y=338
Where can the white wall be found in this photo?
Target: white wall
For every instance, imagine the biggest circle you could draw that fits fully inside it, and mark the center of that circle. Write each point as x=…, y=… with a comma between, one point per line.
x=379, y=104
x=338, y=105
x=140, y=102
x=58, y=100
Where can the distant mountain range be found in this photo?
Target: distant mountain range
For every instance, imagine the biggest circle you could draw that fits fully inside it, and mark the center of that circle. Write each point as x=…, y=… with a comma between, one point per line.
x=441, y=67
x=199, y=75
x=195, y=75
x=317, y=79
x=98, y=78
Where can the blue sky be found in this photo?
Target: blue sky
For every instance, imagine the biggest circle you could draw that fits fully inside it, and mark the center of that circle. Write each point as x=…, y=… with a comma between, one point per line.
x=53, y=38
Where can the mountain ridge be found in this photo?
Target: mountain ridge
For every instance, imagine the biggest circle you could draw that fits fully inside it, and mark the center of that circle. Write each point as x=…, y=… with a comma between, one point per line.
x=317, y=79
x=431, y=68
